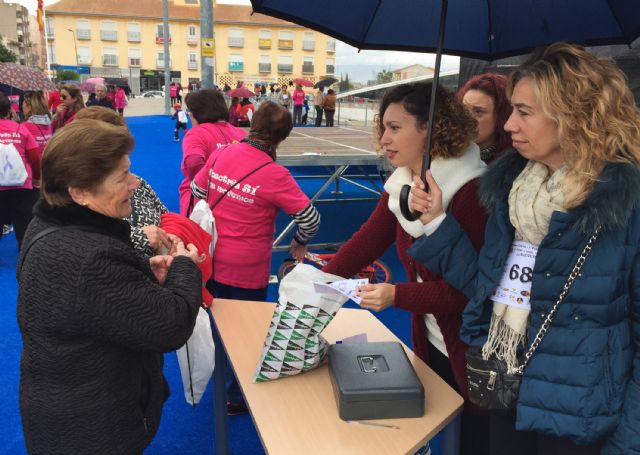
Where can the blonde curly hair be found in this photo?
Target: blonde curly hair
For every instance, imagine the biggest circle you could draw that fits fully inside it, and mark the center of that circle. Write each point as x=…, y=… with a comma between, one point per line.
x=598, y=121
x=453, y=129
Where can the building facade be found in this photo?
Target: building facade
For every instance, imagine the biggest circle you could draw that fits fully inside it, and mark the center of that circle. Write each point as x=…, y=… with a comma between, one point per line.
x=411, y=71
x=14, y=29
x=123, y=38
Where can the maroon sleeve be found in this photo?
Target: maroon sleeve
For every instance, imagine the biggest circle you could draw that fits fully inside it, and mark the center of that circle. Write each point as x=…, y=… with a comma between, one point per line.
x=368, y=244
x=435, y=295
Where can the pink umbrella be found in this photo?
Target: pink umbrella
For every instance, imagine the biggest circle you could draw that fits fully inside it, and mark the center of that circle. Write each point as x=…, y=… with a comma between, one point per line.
x=89, y=85
x=241, y=92
x=24, y=78
x=303, y=82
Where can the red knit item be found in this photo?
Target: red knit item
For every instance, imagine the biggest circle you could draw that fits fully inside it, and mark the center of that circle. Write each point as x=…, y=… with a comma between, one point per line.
x=433, y=295
x=190, y=232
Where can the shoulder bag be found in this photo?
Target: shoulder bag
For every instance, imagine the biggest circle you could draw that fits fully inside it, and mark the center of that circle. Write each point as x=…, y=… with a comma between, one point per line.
x=489, y=384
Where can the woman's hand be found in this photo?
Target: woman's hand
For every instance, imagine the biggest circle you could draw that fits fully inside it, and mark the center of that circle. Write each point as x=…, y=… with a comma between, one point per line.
x=189, y=251
x=377, y=297
x=160, y=267
x=429, y=204
x=157, y=237
x=297, y=251
x=61, y=109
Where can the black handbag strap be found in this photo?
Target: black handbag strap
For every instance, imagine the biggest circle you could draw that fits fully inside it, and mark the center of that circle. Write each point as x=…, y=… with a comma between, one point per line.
x=44, y=233
x=575, y=272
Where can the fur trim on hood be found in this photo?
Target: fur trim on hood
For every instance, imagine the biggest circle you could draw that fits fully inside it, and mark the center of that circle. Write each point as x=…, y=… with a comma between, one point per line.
x=609, y=204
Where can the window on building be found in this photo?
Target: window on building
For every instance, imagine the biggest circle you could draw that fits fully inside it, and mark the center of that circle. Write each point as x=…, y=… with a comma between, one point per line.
x=49, y=27
x=285, y=64
x=236, y=37
x=307, y=65
x=264, y=39
x=308, y=41
x=331, y=69
x=160, y=33
x=109, y=56
x=264, y=64
x=133, y=32
x=160, y=59
x=108, y=31
x=191, y=2
x=285, y=39
x=83, y=29
x=135, y=57
x=331, y=44
x=51, y=53
x=192, y=61
x=236, y=62
x=85, y=56
x=192, y=34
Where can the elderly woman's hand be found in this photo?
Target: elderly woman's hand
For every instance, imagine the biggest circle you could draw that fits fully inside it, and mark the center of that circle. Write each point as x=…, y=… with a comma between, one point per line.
x=157, y=237
x=297, y=251
x=189, y=251
x=160, y=267
x=429, y=204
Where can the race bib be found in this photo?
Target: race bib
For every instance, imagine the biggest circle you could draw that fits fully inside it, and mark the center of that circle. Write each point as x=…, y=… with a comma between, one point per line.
x=285, y=97
x=515, y=286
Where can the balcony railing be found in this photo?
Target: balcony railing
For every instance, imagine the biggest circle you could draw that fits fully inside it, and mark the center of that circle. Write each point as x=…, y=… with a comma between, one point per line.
x=110, y=60
x=264, y=43
x=236, y=66
x=285, y=68
x=285, y=44
x=235, y=42
x=133, y=37
x=307, y=68
x=192, y=65
x=308, y=45
x=83, y=33
x=50, y=34
x=160, y=39
x=331, y=46
x=160, y=63
x=134, y=61
x=331, y=69
x=192, y=40
x=264, y=67
x=109, y=35
x=84, y=60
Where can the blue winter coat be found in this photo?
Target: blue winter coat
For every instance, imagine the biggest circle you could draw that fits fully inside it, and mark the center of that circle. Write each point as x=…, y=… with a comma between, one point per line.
x=583, y=382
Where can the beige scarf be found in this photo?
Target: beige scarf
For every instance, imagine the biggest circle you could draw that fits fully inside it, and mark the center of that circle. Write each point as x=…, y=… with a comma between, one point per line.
x=533, y=198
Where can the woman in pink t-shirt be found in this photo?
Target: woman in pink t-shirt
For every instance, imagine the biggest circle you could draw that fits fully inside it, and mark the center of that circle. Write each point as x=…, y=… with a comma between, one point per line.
x=38, y=122
x=298, y=102
x=211, y=129
x=246, y=188
x=16, y=202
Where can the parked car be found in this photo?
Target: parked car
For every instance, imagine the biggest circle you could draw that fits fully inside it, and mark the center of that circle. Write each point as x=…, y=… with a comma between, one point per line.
x=153, y=94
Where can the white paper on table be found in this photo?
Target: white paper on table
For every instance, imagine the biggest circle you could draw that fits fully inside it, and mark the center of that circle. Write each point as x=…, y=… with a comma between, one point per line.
x=344, y=287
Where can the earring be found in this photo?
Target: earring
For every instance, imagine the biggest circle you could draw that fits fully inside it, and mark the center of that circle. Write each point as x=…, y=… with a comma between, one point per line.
x=85, y=204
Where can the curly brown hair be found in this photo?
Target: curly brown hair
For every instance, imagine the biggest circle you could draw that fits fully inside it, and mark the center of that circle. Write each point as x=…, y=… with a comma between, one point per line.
x=453, y=129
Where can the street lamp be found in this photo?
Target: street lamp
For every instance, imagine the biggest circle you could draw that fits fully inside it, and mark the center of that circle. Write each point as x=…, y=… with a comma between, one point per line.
x=75, y=44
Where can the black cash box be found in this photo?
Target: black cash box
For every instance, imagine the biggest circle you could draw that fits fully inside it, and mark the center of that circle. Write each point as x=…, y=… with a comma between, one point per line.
x=374, y=381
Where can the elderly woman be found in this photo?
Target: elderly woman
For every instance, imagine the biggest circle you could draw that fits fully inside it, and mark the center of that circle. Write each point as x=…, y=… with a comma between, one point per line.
x=485, y=97
x=70, y=104
x=95, y=316
x=100, y=98
x=211, y=129
x=245, y=188
x=576, y=131
x=435, y=306
x=146, y=207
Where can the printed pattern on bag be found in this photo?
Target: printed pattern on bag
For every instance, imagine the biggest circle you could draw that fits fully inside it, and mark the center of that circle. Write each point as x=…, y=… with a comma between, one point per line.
x=12, y=169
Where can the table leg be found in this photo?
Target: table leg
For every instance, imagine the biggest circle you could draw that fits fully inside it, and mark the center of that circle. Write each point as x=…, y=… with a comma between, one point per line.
x=450, y=442
x=221, y=431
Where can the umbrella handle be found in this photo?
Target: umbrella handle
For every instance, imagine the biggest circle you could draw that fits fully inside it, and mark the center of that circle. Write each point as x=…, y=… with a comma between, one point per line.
x=406, y=191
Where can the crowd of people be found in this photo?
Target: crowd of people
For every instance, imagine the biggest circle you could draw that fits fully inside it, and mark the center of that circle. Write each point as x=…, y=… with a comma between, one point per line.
x=526, y=170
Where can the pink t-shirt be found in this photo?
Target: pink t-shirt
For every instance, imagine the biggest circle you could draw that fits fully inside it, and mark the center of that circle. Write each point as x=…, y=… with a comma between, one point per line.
x=298, y=97
x=41, y=134
x=12, y=132
x=197, y=145
x=245, y=217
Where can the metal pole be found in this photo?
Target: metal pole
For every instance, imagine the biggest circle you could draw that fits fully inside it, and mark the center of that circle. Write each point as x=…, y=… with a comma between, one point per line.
x=75, y=45
x=46, y=41
x=206, y=31
x=167, y=57
x=366, y=111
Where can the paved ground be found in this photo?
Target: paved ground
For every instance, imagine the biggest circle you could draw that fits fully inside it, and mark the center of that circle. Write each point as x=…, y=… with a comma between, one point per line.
x=144, y=106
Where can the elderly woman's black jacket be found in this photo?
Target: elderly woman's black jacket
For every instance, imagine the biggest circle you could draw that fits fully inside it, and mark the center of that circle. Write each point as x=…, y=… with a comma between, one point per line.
x=94, y=323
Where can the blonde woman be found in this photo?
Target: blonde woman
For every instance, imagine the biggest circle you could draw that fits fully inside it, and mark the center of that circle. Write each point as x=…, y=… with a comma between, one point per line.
x=38, y=122
x=576, y=131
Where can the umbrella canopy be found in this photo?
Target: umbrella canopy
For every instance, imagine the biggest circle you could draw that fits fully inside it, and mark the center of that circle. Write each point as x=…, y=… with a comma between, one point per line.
x=24, y=78
x=486, y=30
x=90, y=84
x=116, y=81
x=303, y=82
x=325, y=82
x=241, y=92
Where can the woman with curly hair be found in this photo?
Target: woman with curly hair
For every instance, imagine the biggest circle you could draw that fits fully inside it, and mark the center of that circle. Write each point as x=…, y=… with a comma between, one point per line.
x=575, y=174
x=486, y=99
x=436, y=307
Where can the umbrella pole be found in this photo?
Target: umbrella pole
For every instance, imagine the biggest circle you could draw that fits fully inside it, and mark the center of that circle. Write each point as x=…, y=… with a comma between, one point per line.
x=426, y=158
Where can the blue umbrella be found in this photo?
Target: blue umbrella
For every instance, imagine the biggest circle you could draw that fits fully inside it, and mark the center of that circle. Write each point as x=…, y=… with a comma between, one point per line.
x=483, y=29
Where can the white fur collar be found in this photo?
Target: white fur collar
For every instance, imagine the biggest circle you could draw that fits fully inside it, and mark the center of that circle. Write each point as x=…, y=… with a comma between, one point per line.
x=451, y=174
